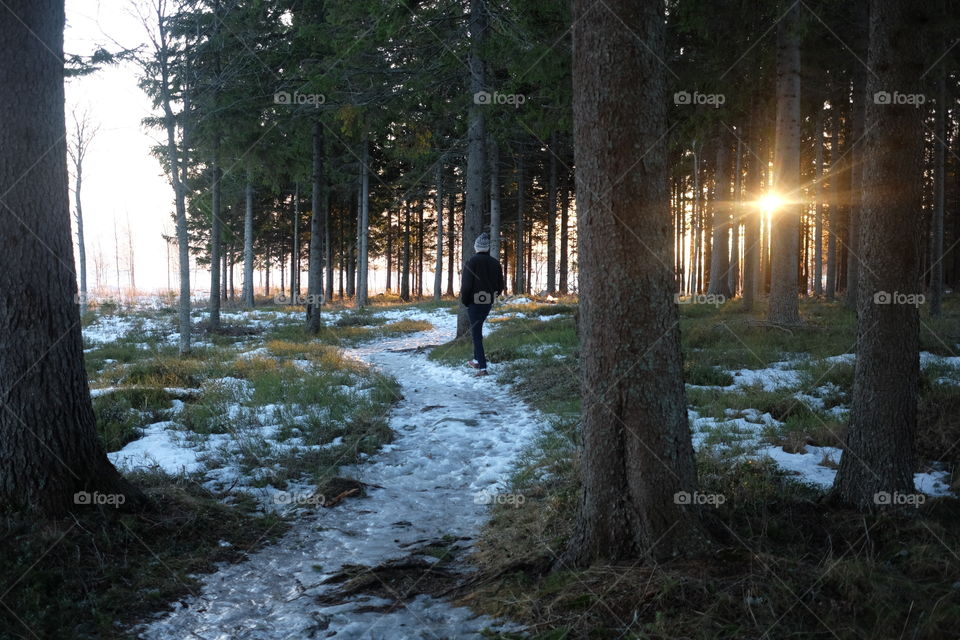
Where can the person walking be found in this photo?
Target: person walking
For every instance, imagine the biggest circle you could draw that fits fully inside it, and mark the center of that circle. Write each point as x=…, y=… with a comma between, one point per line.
x=482, y=283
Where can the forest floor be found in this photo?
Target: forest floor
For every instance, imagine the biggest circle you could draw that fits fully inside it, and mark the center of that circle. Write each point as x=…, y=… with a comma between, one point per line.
x=363, y=484
x=768, y=407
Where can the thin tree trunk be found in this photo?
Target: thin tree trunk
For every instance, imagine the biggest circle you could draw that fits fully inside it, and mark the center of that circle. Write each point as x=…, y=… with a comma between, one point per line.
x=564, y=233
x=818, y=199
x=215, y=232
x=939, y=176
x=318, y=220
x=363, y=232
x=519, y=251
x=295, y=248
x=833, y=217
x=438, y=210
x=494, y=155
x=720, y=252
x=751, y=230
x=552, y=216
x=405, y=276
x=733, y=281
x=247, y=292
x=452, y=247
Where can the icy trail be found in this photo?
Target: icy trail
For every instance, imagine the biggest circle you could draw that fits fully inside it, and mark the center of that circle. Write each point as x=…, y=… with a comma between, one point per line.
x=456, y=437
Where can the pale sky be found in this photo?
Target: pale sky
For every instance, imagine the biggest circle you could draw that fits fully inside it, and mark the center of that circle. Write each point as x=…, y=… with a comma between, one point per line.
x=122, y=181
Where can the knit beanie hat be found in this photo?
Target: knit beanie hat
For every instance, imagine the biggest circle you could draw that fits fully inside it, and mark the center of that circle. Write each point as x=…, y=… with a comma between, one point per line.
x=482, y=243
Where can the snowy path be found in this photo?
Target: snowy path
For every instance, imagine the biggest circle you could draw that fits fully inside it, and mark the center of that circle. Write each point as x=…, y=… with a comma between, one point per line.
x=456, y=436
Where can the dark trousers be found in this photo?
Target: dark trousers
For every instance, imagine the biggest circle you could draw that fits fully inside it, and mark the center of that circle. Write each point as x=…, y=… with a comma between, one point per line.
x=477, y=314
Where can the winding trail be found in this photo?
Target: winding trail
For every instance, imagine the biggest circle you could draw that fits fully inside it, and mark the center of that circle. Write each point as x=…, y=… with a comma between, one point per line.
x=456, y=436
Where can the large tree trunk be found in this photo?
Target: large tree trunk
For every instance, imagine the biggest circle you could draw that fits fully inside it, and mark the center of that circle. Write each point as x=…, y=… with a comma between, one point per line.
x=878, y=462
x=637, y=455
x=720, y=251
x=247, y=292
x=476, y=152
x=318, y=222
x=49, y=448
x=784, y=254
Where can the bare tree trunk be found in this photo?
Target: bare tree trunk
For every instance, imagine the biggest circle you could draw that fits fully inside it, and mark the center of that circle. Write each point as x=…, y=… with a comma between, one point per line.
x=363, y=232
x=751, y=229
x=247, y=293
x=720, y=252
x=818, y=198
x=733, y=281
x=215, y=233
x=420, y=249
x=784, y=254
x=552, y=216
x=856, y=170
x=438, y=210
x=318, y=222
x=939, y=176
x=637, y=458
x=327, y=242
x=452, y=247
x=294, y=249
x=520, y=251
x=494, y=155
x=833, y=217
x=879, y=459
x=564, y=234
x=50, y=449
x=405, y=275
x=83, y=134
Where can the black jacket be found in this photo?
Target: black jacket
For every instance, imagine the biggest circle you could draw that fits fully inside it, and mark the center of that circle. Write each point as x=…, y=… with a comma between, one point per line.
x=482, y=280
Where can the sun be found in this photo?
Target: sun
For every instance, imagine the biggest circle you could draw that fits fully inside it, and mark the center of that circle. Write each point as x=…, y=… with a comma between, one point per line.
x=771, y=202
